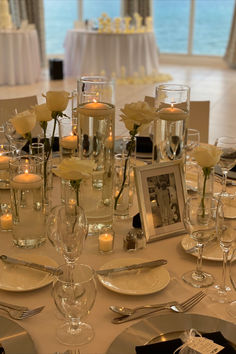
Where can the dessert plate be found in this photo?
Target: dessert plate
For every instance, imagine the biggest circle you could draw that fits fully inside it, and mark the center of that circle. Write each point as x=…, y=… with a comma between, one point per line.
x=211, y=251
x=18, y=278
x=161, y=328
x=134, y=282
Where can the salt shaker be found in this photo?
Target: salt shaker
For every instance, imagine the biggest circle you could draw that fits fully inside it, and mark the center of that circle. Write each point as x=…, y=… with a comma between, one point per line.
x=130, y=241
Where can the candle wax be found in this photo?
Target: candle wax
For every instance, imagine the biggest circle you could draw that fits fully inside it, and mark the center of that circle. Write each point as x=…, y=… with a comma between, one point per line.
x=4, y=162
x=96, y=109
x=172, y=114
x=69, y=142
x=105, y=242
x=26, y=181
x=6, y=221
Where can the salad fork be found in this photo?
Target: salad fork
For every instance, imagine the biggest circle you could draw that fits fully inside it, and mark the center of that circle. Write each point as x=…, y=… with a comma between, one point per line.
x=175, y=306
x=21, y=314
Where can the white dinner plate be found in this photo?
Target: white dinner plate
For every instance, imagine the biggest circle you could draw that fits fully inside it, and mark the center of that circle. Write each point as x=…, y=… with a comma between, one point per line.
x=211, y=251
x=134, y=282
x=160, y=328
x=19, y=278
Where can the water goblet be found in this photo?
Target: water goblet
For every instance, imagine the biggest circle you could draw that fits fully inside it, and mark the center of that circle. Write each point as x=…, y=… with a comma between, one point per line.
x=201, y=218
x=74, y=293
x=14, y=138
x=232, y=273
x=227, y=159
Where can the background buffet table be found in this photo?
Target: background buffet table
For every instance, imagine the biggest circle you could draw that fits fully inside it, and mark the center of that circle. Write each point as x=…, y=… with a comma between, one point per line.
x=19, y=57
x=42, y=326
x=89, y=52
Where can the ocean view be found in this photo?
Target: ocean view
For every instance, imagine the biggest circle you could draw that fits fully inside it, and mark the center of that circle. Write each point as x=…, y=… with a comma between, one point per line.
x=170, y=17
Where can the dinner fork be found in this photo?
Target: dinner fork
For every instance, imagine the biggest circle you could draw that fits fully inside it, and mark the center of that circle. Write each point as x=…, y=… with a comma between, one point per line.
x=174, y=306
x=21, y=314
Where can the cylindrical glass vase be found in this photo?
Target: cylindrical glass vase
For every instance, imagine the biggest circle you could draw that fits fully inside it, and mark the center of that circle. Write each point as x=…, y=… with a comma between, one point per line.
x=68, y=138
x=7, y=152
x=173, y=105
x=121, y=186
x=206, y=183
x=26, y=184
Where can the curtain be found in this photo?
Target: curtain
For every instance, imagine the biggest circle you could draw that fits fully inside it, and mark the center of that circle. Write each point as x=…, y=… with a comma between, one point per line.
x=230, y=55
x=33, y=12
x=143, y=7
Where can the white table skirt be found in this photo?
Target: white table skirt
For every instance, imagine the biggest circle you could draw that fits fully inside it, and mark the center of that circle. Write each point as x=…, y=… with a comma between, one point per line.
x=42, y=327
x=92, y=52
x=19, y=57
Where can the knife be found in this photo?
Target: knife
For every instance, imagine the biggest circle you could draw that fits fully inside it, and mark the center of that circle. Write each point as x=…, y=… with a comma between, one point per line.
x=151, y=264
x=41, y=267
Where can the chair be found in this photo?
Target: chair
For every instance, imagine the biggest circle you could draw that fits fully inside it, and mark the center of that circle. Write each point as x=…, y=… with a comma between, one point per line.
x=9, y=107
x=199, y=116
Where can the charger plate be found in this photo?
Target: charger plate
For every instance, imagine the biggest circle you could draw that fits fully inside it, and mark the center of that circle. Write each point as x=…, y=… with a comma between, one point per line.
x=14, y=338
x=166, y=327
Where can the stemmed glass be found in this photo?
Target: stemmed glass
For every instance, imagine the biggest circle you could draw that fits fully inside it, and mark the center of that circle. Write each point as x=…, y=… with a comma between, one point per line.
x=193, y=140
x=232, y=273
x=74, y=292
x=201, y=218
x=14, y=138
x=227, y=159
x=222, y=293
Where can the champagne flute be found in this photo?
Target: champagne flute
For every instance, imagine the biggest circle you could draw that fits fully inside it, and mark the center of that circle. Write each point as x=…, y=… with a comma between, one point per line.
x=15, y=139
x=191, y=167
x=227, y=159
x=232, y=273
x=174, y=143
x=74, y=293
x=201, y=219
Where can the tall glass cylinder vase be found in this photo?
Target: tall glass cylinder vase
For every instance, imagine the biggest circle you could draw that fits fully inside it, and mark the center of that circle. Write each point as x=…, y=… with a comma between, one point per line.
x=26, y=184
x=173, y=104
x=96, y=117
x=206, y=183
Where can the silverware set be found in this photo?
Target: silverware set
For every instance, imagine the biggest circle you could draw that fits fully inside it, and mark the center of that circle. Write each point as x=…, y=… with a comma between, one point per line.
x=19, y=312
x=141, y=311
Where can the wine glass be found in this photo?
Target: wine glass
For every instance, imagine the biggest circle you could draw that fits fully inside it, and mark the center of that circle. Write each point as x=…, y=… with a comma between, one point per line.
x=193, y=140
x=174, y=142
x=14, y=138
x=191, y=167
x=227, y=159
x=222, y=293
x=201, y=217
x=74, y=292
x=232, y=273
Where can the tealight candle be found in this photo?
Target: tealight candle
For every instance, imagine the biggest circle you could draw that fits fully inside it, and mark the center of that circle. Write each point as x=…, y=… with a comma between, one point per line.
x=172, y=114
x=106, y=241
x=26, y=181
x=96, y=109
x=69, y=142
x=6, y=221
x=4, y=162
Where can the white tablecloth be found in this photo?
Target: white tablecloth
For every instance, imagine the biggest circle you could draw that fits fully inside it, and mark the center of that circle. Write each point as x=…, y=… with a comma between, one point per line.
x=91, y=52
x=19, y=57
x=42, y=327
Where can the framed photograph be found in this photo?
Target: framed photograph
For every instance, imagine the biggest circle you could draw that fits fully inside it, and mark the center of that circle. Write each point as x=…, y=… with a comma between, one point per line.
x=161, y=196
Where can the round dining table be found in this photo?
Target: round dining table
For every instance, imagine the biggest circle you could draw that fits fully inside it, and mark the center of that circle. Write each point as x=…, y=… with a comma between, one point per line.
x=119, y=54
x=19, y=57
x=42, y=326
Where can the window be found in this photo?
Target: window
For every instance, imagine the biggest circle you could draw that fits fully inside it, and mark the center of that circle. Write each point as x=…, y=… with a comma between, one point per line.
x=92, y=9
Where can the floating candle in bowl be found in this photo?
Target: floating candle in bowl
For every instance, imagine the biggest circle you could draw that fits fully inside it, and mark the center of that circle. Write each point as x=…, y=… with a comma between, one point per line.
x=96, y=109
x=26, y=181
x=69, y=142
x=172, y=113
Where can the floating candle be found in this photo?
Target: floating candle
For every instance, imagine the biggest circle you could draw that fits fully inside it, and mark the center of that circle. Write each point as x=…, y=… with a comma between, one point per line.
x=6, y=221
x=4, y=162
x=26, y=181
x=172, y=114
x=69, y=142
x=105, y=242
x=96, y=109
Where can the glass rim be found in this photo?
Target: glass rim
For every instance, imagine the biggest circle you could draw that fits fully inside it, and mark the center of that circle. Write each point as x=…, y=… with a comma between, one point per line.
x=18, y=159
x=173, y=87
x=96, y=79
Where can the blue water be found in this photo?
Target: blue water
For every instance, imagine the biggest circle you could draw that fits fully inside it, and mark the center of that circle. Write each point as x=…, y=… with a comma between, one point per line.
x=171, y=20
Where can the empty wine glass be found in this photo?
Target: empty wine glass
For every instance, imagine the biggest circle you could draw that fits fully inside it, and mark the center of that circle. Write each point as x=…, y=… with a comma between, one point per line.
x=227, y=159
x=232, y=273
x=14, y=138
x=193, y=140
x=201, y=217
x=222, y=293
x=175, y=137
x=191, y=167
x=74, y=293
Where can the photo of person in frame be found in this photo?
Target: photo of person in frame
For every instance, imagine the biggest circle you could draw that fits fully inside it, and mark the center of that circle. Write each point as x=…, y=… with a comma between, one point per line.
x=163, y=198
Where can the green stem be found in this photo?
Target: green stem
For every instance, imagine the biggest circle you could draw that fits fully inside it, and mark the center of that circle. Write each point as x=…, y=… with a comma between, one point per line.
x=206, y=172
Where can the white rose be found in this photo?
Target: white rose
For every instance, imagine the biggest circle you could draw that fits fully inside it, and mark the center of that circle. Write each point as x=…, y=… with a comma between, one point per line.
x=57, y=101
x=138, y=113
x=43, y=114
x=24, y=122
x=207, y=155
x=75, y=168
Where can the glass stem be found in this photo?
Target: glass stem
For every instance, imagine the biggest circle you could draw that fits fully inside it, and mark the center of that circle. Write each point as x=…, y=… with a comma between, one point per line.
x=225, y=174
x=224, y=269
x=199, y=258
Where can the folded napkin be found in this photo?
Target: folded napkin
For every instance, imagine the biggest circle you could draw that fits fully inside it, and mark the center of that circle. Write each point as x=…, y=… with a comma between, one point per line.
x=171, y=345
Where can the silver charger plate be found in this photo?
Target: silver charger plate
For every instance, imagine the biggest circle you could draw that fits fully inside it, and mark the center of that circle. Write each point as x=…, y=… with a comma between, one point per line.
x=14, y=338
x=166, y=327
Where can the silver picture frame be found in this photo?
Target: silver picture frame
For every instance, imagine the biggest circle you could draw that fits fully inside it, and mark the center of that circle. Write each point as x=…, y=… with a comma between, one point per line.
x=161, y=194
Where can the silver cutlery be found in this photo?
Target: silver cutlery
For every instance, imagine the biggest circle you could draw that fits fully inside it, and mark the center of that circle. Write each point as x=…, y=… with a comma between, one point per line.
x=151, y=264
x=126, y=311
x=21, y=314
x=14, y=307
x=44, y=268
x=173, y=306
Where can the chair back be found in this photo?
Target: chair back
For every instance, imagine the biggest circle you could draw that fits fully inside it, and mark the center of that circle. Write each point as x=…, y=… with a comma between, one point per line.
x=199, y=118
